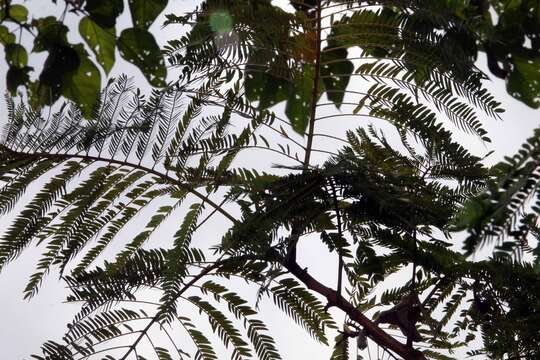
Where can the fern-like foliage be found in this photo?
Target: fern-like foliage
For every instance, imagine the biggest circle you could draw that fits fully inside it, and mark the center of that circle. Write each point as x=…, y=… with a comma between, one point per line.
x=508, y=209
x=176, y=158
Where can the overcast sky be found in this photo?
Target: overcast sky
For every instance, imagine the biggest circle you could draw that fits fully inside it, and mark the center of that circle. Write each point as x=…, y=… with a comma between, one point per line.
x=28, y=324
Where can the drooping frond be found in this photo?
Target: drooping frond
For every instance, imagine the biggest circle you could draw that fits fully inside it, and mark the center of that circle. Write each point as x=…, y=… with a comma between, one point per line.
x=509, y=206
x=173, y=159
x=303, y=307
x=98, y=328
x=117, y=175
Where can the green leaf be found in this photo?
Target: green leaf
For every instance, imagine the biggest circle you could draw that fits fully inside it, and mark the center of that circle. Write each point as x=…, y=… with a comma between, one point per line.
x=139, y=47
x=298, y=107
x=5, y=36
x=62, y=59
x=265, y=88
x=101, y=41
x=341, y=348
x=335, y=72
x=17, y=12
x=104, y=13
x=470, y=216
x=16, y=77
x=83, y=85
x=51, y=34
x=16, y=55
x=144, y=12
x=524, y=81
x=374, y=31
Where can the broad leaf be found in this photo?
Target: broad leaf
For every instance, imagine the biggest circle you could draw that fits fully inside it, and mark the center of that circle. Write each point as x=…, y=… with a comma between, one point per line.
x=5, y=36
x=101, y=41
x=336, y=72
x=104, y=13
x=268, y=85
x=524, y=81
x=298, y=107
x=265, y=88
x=16, y=77
x=16, y=55
x=144, y=12
x=62, y=60
x=17, y=12
x=139, y=47
x=83, y=85
x=51, y=33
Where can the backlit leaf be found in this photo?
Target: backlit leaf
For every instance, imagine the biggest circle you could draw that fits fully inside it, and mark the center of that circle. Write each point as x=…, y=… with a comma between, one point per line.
x=144, y=12
x=139, y=47
x=101, y=41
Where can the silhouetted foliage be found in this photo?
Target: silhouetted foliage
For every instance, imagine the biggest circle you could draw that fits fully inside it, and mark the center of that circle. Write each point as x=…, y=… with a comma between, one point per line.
x=122, y=165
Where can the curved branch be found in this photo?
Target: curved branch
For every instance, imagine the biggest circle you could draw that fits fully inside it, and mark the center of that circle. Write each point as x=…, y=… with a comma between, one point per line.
x=196, y=278
x=335, y=299
x=166, y=177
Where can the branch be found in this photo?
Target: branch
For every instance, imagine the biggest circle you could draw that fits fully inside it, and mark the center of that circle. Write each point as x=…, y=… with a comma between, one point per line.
x=188, y=285
x=316, y=81
x=335, y=299
x=340, y=232
x=170, y=179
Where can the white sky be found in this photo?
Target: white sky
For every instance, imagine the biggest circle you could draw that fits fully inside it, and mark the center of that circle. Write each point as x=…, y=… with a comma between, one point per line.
x=28, y=324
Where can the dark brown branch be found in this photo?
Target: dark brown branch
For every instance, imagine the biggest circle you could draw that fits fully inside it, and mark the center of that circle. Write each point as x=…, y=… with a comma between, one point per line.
x=334, y=299
x=296, y=232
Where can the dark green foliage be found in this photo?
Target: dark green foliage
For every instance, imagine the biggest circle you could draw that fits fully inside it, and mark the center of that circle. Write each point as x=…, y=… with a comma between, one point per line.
x=104, y=13
x=303, y=307
x=506, y=31
x=129, y=167
x=139, y=47
x=503, y=212
x=68, y=70
x=144, y=12
x=341, y=348
x=100, y=41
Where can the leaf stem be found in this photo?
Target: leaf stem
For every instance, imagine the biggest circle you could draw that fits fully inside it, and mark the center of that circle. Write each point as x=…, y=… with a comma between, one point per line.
x=203, y=273
x=315, y=93
x=340, y=233
x=128, y=164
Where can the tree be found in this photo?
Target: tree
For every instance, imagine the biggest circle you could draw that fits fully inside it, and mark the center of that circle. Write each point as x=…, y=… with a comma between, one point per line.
x=382, y=205
x=506, y=31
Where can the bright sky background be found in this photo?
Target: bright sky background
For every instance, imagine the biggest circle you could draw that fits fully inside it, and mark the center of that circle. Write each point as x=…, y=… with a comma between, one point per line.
x=28, y=324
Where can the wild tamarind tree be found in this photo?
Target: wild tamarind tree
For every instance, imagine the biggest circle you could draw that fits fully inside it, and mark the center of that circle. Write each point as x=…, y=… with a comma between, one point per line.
x=259, y=80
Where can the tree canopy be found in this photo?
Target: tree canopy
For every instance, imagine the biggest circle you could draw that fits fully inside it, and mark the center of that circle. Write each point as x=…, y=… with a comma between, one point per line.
x=506, y=31
x=115, y=164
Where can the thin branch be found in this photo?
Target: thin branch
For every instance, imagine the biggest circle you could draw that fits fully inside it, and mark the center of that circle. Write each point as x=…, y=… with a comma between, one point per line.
x=188, y=285
x=316, y=80
x=168, y=178
x=340, y=233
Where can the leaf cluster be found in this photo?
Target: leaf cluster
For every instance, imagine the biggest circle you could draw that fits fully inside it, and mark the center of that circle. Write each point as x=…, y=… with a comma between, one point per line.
x=173, y=160
x=69, y=71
